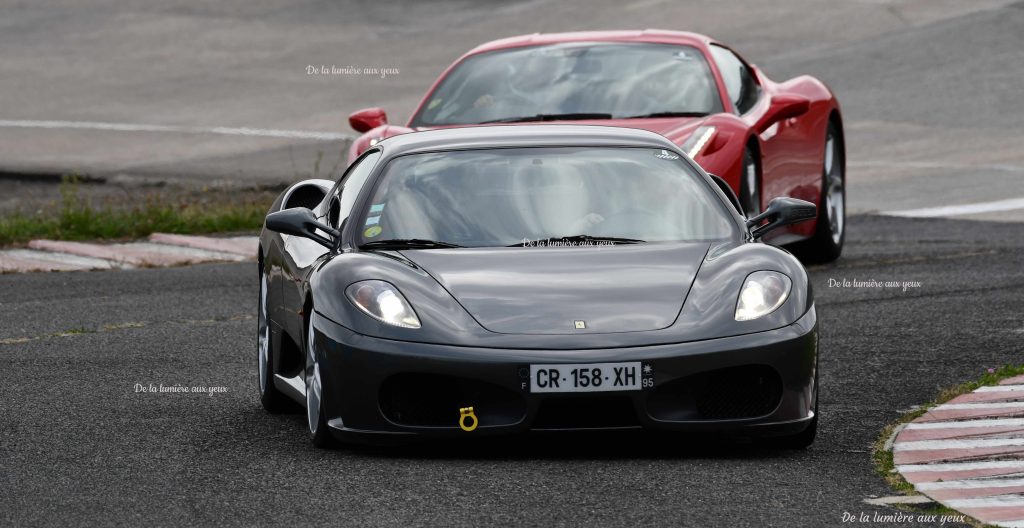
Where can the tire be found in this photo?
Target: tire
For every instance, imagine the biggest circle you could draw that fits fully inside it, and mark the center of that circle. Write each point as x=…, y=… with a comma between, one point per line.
x=316, y=419
x=750, y=185
x=827, y=243
x=273, y=401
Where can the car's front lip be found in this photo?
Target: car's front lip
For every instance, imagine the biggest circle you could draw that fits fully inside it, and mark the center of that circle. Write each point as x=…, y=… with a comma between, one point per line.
x=355, y=366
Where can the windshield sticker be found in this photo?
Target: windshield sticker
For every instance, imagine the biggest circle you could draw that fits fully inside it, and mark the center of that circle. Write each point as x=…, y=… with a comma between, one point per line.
x=664, y=154
x=372, y=220
x=372, y=231
x=683, y=56
x=377, y=208
x=433, y=104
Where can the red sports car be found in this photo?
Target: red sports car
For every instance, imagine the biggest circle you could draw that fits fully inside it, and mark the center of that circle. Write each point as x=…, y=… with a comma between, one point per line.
x=766, y=139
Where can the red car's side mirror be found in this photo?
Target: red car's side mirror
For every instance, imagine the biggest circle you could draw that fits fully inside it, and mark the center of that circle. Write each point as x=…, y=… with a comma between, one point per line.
x=783, y=106
x=367, y=119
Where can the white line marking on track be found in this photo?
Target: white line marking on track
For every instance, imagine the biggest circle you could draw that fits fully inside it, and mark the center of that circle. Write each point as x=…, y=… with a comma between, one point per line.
x=991, y=405
x=971, y=484
x=934, y=165
x=925, y=445
x=997, y=501
x=1001, y=388
x=958, y=210
x=135, y=127
x=962, y=466
x=1009, y=524
x=1007, y=422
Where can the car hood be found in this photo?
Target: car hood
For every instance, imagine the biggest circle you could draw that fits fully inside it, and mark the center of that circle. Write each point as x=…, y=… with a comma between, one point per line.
x=670, y=127
x=623, y=288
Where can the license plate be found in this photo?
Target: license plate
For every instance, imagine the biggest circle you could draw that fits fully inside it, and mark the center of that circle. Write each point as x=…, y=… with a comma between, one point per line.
x=585, y=377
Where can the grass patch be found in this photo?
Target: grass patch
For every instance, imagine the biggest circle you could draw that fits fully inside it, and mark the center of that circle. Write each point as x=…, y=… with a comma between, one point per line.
x=76, y=217
x=883, y=457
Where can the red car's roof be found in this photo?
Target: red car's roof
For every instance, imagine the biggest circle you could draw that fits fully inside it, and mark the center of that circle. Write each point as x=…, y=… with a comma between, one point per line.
x=646, y=35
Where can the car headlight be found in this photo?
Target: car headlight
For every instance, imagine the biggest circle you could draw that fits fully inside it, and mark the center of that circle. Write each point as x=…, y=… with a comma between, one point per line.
x=761, y=294
x=698, y=140
x=383, y=302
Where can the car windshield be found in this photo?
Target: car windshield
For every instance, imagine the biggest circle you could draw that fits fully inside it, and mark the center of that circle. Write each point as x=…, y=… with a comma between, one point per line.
x=573, y=81
x=541, y=197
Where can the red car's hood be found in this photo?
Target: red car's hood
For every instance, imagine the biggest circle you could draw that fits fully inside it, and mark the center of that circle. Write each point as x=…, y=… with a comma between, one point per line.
x=674, y=128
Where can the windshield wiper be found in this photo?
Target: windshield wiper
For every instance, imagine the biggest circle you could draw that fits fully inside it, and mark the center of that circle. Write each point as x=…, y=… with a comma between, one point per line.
x=668, y=114
x=576, y=240
x=408, y=243
x=548, y=117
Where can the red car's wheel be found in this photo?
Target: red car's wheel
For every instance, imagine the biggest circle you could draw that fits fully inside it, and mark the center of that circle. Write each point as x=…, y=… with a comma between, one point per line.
x=827, y=243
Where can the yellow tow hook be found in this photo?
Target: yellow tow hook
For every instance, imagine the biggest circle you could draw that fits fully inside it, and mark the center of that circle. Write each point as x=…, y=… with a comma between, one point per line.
x=467, y=419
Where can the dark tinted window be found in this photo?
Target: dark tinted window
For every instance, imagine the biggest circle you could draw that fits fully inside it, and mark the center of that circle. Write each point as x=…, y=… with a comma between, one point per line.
x=739, y=80
x=499, y=197
x=348, y=188
x=619, y=80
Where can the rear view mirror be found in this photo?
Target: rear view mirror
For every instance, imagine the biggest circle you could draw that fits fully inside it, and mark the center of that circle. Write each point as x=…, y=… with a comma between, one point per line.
x=367, y=119
x=301, y=222
x=781, y=212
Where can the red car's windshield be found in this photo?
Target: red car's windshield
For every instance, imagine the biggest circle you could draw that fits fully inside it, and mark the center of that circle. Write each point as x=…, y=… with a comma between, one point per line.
x=573, y=81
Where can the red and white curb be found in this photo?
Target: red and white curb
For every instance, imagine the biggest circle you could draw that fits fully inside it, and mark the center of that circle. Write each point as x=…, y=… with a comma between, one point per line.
x=161, y=249
x=968, y=454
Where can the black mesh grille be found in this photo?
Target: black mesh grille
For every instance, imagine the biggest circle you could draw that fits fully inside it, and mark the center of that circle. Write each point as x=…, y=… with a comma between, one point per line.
x=431, y=400
x=731, y=393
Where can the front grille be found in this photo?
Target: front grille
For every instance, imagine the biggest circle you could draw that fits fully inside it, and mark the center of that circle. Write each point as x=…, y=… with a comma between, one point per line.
x=731, y=393
x=432, y=400
x=584, y=412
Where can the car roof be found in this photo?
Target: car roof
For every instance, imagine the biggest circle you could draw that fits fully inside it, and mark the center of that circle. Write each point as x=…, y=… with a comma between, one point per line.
x=645, y=35
x=498, y=136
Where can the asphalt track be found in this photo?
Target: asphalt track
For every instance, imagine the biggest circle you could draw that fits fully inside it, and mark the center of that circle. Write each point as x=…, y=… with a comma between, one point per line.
x=930, y=90
x=82, y=447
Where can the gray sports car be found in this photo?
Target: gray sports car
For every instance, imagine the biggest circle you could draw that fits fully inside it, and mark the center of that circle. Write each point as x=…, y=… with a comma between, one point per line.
x=506, y=279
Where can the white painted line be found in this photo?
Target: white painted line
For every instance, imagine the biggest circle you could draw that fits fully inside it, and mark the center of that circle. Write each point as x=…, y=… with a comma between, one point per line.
x=971, y=484
x=1001, y=388
x=62, y=258
x=1008, y=524
x=927, y=445
x=935, y=165
x=958, y=210
x=198, y=254
x=900, y=499
x=980, y=406
x=998, y=501
x=990, y=422
x=962, y=466
x=132, y=127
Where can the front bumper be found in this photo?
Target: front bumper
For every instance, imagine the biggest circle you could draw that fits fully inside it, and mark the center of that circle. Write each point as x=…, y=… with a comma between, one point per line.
x=761, y=384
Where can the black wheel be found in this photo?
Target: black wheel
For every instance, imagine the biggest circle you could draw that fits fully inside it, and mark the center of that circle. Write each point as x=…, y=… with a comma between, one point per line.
x=315, y=416
x=827, y=243
x=750, y=185
x=273, y=400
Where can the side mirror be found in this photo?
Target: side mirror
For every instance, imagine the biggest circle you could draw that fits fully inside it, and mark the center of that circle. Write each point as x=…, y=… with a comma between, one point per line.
x=367, y=119
x=728, y=193
x=301, y=222
x=782, y=107
x=781, y=212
